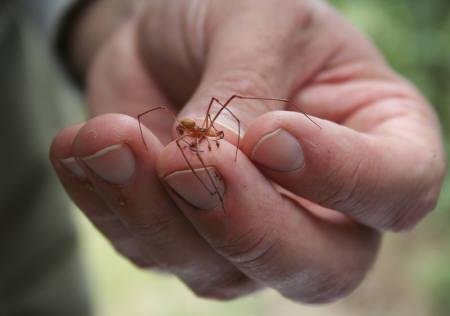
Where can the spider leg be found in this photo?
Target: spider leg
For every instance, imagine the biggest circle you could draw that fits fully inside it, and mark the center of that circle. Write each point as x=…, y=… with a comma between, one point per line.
x=207, y=119
x=199, y=157
x=217, y=138
x=213, y=127
x=236, y=96
x=177, y=141
x=188, y=144
x=194, y=147
x=211, y=179
x=224, y=107
x=139, y=118
x=209, y=143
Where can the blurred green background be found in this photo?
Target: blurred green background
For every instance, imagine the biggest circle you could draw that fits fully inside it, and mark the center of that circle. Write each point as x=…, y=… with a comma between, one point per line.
x=412, y=275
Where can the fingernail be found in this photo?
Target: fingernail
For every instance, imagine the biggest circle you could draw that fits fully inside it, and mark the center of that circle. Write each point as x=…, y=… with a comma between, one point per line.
x=279, y=151
x=74, y=168
x=115, y=164
x=189, y=187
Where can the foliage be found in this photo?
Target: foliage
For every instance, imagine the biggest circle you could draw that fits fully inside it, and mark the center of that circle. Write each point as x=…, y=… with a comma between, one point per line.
x=413, y=35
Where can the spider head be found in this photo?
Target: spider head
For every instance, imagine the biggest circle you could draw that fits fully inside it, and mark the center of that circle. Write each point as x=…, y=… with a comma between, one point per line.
x=187, y=123
x=180, y=129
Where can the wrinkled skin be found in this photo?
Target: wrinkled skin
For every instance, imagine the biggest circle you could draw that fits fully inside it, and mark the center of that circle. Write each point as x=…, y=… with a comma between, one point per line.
x=310, y=231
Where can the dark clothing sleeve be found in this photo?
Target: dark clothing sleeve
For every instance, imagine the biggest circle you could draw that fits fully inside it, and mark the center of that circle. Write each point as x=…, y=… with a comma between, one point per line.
x=40, y=270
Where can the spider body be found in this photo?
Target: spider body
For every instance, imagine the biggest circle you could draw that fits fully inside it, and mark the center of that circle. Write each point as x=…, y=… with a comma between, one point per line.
x=192, y=134
x=190, y=128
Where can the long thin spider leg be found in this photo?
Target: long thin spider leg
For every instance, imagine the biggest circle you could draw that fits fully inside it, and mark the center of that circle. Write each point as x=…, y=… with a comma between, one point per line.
x=207, y=116
x=177, y=141
x=198, y=140
x=210, y=119
x=211, y=179
x=235, y=117
x=220, y=134
x=208, y=112
x=209, y=143
x=236, y=96
x=217, y=138
x=186, y=142
x=139, y=117
x=216, y=141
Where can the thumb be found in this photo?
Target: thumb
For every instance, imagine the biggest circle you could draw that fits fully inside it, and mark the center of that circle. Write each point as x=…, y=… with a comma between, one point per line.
x=249, y=54
x=385, y=180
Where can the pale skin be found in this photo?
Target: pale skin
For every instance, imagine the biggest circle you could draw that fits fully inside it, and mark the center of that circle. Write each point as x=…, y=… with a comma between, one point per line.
x=309, y=228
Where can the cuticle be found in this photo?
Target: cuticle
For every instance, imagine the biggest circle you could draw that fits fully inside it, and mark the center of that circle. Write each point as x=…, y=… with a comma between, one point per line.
x=92, y=174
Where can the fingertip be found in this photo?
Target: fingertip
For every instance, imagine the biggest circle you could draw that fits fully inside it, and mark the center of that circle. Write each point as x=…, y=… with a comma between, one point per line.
x=61, y=154
x=293, y=122
x=61, y=146
x=104, y=131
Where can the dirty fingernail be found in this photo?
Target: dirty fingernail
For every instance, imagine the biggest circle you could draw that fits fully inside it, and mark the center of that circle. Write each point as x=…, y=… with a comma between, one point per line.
x=205, y=194
x=279, y=151
x=74, y=168
x=115, y=164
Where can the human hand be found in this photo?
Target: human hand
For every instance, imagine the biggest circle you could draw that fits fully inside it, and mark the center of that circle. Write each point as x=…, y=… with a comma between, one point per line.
x=376, y=163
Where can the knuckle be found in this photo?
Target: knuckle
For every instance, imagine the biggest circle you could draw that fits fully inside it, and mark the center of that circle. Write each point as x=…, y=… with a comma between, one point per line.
x=141, y=263
x=344, y=190
x=423, y=196
x=303, y=13
x=211, y=293
x=230, y=287
x=129, y=248
x=321, y=286
x=245, y=80
x=296, y=12
x=251, y=250
x=418, y=206
x=330, y=290
x=157, y=229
